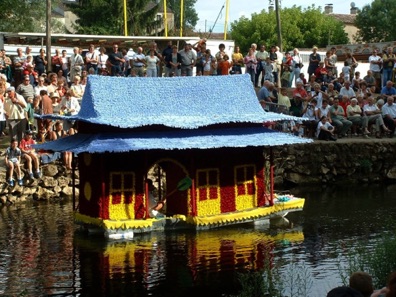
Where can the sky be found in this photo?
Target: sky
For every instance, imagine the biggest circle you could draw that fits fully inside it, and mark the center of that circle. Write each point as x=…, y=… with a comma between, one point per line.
x=209, y=10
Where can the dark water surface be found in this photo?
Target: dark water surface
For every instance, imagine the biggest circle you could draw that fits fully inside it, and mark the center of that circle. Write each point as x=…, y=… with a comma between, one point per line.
x=42, y=255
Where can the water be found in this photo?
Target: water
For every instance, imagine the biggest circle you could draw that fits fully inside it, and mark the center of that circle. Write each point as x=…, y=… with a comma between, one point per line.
x=42, y=255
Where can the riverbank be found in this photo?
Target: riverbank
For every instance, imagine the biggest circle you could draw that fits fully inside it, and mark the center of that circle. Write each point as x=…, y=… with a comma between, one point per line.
x=351, y=160
x=56, y=182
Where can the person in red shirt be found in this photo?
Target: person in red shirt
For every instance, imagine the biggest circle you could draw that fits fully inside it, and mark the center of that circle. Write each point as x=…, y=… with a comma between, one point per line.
x=225, y=65
x=30, y=155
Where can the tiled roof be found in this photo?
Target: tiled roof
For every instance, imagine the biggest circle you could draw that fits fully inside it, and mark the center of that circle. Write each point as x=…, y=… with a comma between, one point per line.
x=172, y=140
x=344, y=18
x=177, y=102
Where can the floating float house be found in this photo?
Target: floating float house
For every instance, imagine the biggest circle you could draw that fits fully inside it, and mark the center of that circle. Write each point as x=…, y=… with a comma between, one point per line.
x=205, y=134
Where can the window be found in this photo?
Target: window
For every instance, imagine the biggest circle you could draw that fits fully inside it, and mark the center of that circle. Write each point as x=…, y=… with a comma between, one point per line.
x=122, y=196
x=244, y=179
x=208, y=184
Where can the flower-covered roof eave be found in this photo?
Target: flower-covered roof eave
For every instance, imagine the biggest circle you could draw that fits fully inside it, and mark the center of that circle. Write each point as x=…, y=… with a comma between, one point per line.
x=172, y=140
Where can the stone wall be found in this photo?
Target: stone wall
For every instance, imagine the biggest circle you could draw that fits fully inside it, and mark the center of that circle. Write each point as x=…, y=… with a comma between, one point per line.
x=342, y=162
x=336, y=162
x=56, y=182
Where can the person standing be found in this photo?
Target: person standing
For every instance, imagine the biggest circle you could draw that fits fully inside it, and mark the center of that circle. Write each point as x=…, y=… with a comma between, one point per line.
x=40, y=62
x=375, y=67
x=18, y=62
x=56, y=61
x=76, y=63
x=296, y=68
x=314, y=59
x=261, y=57
x=14, y=107
x=188, y=60
x=91, y=59
x=115, y=61
x=388, y=59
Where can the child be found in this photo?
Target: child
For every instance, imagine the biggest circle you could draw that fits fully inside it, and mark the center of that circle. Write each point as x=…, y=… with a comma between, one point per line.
x=28, y=62
x=13, y=161
x=297, y=128
x=268, y=68
x=283, y=101
x=346, y=70
x=30, y=154
x=225, y=65
x=285, y=77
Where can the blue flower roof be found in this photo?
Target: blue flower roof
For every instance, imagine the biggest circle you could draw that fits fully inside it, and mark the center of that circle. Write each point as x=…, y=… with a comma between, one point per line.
x=171, y=140
x=177, y=102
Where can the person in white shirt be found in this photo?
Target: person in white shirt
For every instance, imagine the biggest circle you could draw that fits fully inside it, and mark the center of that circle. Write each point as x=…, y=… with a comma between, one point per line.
x=375, y=67
x=374, y=115
x=389, y=114
x=354, y=114
x=325, y=130
x=102, y=59
x=346, y=90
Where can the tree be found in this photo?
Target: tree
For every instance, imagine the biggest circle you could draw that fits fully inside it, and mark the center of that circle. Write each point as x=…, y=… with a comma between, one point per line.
x=300, y=28
x=375, y=22
x=190, y=16
x=105, y=17
x=26, y=16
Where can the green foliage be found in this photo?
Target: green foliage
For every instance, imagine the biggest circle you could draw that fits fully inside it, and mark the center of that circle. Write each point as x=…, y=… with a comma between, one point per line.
x=106, y=17
x=379, y=260
x=190, y=16
x=300, y=28
x=375, y=20
x=26, y=16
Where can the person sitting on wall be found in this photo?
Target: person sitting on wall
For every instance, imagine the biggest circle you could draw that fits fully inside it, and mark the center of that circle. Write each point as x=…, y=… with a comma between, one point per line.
x=374, y=115
x=30, y=155
x=389, y=114
x=13, y=162
x=325, y=130
x=354, y=114
x=338, y=118
x=57, y=133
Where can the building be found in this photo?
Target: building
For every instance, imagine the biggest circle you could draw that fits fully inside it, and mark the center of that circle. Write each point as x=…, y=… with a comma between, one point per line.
x=205, y=133
x=347, y=19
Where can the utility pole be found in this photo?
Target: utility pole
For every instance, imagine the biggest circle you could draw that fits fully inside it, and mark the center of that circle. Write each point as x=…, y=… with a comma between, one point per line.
x=278, y=23
x=48, y=36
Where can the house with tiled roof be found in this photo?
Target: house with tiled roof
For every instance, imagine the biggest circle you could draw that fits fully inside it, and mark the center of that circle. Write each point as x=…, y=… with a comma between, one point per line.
x=203, y=135
x=347, y=19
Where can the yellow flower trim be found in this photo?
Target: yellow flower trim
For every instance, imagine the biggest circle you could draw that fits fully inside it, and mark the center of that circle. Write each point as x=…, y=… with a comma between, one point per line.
x=260, y=212
x=113, y=225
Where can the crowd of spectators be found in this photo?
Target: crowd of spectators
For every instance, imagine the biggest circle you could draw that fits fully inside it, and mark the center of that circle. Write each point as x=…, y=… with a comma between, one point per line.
x=334, y=104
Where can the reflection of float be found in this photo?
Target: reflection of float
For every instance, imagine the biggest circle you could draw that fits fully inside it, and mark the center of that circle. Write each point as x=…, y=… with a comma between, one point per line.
x=148, y=261
x=128, y=126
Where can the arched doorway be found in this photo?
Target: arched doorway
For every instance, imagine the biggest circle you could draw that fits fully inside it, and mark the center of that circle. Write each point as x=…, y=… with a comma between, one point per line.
x=166, y=174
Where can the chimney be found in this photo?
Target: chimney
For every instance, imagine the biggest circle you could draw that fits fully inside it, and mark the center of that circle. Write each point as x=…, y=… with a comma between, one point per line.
x=271, y=8
x=328, y=8
x=354, y=9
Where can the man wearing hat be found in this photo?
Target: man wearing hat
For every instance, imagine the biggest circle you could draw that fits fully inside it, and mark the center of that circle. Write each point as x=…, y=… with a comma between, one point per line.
x=14, y=106
x=30, y=155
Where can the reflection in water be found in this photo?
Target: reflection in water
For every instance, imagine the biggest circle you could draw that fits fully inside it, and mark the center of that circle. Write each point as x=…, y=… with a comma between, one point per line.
x=177, y=264
x=41, y=255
